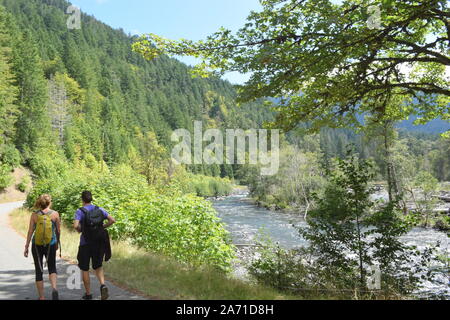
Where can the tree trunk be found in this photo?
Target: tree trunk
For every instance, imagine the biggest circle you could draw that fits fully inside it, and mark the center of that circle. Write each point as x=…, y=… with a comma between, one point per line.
x=360, y=254
x=388, y=161
x=393, y=187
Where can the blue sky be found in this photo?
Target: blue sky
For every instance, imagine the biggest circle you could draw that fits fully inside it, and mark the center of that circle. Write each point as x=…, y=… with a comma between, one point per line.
x=174, y=19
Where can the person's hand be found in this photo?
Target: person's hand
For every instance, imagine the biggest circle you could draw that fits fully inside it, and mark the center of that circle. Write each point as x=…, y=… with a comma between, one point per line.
x=25, y=253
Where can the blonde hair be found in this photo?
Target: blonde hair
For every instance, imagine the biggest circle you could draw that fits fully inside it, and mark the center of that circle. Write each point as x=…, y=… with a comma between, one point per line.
x=43, y=202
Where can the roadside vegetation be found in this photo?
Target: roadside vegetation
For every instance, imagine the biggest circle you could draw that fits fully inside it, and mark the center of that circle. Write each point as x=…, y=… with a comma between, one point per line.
x=158, y=276
x=159, y=218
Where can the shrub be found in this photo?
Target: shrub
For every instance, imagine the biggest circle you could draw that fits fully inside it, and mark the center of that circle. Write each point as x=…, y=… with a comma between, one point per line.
x=5, y=176
x=182, y=226
x=23, y=184
x=48, y=163
x=10, y=156
x=278, y=268
x=442, y=223
x=206, y=186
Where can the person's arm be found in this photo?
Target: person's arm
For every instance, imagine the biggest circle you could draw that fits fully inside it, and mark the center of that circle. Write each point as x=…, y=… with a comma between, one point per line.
x=58, y=228
x=108, y=217
x=77, y=225
x=76, y=221
x=29, y=234
x=58, y=223
x=110, y=222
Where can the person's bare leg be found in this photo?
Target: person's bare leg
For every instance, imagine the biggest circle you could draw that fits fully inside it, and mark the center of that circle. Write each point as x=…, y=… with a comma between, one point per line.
x=101, y=278
x=40, y=289
x=100, y=275
x=53, y=279
x=87, y=282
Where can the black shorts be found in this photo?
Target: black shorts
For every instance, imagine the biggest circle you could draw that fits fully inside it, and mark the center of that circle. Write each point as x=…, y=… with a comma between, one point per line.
x=89, y=252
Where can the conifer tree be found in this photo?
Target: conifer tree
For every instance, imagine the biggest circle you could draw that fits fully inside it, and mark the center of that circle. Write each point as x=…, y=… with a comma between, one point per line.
x=8, y=92
x=32, y=123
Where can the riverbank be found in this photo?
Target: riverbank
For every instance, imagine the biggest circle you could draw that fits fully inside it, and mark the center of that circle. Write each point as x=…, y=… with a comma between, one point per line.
x=236, y=190
x=439, y=219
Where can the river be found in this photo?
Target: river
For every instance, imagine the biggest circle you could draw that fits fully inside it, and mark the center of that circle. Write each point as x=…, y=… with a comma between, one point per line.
x=245, y=221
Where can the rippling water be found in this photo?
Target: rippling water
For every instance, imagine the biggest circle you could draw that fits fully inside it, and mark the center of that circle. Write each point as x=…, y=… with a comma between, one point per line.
x=244, y=221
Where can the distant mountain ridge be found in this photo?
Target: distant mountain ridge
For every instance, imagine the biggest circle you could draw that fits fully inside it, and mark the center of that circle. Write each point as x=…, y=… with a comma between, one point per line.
x=435, y=126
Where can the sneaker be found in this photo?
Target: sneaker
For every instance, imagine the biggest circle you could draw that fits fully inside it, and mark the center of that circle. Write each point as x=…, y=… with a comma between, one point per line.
x=87, y=297
x=55, y=295
x=104, y=292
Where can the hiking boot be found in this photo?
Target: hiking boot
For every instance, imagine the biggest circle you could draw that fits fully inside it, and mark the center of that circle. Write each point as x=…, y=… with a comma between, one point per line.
x=55, y=295
x=104, y=292
x=87, y=297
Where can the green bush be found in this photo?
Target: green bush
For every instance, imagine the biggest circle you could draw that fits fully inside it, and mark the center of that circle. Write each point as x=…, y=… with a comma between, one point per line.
x=442, y=223
x=23, y=184
x=48, y=163
x=5, y=176
x=278, y=268
x=182, y=226
x=10, y=156
x=206, y=186
x=202, y=189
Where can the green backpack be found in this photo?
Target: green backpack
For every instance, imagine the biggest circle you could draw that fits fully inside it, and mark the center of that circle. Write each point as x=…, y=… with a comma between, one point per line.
x=43, y=233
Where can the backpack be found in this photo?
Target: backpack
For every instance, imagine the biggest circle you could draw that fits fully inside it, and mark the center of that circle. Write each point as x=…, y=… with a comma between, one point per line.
x=92, y=226
x=43, y=233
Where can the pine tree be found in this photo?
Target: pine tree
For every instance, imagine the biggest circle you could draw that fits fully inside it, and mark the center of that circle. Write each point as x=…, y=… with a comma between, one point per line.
x=32, y=123
x=8, y=92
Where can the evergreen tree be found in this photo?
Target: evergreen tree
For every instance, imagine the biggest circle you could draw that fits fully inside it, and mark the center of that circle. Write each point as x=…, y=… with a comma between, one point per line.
x=8, y=92
x=33, y=122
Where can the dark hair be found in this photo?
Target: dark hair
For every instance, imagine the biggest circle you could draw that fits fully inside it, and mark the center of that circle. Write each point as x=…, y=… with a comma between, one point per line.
x=86, y=196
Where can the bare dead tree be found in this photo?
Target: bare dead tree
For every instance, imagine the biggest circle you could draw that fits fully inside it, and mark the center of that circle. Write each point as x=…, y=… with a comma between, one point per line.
x=58, y=107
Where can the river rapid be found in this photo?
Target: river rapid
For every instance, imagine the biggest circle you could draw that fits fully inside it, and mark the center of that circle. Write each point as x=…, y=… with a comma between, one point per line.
x=245, y=221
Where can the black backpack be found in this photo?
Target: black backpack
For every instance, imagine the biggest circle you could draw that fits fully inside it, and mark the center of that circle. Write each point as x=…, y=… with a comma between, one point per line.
x=92, y=226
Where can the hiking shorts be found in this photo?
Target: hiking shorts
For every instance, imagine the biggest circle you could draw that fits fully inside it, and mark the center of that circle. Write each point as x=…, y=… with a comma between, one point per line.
x=88, y=253
x=38, y=256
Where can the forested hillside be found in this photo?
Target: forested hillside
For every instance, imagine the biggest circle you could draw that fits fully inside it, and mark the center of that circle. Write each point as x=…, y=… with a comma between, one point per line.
x=88, y=92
